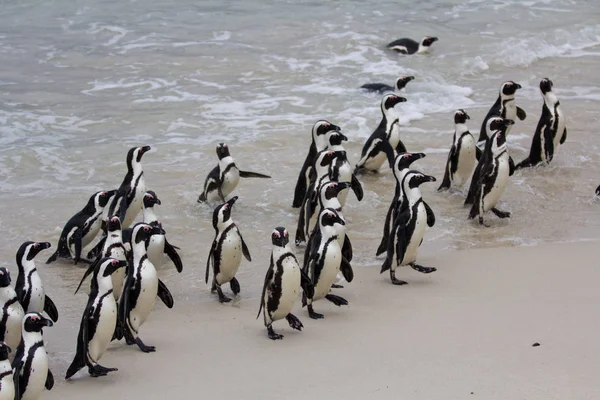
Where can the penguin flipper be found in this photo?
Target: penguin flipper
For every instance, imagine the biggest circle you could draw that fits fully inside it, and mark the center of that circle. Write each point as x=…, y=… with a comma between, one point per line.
x=248, y=174
x=78, y=238
x=123, y=209
x=357, y=188
x=347, y=249
x=306, y=284
x=173, y=255
x=97, y=249
x=430, y=215
x=521, y=113
x=82, y=341
x=400, y=147
x=164, y=294
x=386, y=232
x=17, y=370
x=564, y=136
x=446, y=181
x=50, y=309
x=245, y=249
x=346, y=269
x=511, y=166
x=478, y=153
x=49, y=380
x=210, y=255
x=268, y=278
x=87, y=273
x=401, y=243
x=389, y=152
x=52, y=258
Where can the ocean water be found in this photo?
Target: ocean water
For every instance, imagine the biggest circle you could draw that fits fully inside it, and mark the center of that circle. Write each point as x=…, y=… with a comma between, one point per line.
x=82, y=81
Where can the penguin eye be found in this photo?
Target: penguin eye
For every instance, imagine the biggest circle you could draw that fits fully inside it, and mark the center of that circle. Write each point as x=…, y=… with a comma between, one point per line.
x=276, y=234
x=225, y=145
x=147, y=228
x=285, y=233
x=115, y=262
x=34, y=317
x=36, y=245
x=148, y=196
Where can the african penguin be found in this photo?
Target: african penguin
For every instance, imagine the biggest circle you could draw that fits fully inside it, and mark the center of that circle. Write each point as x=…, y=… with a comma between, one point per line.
x=381, y=88
x=30, y=365
x=384, y=140
x=7, y=384
x=409, y=228
x=29, y=288
x=282, y=285
x=226, y=251
x=410, y=46
x=551, y=130
x=224, y=178
x=341, y=170
x=462, y=155
x=11, y=315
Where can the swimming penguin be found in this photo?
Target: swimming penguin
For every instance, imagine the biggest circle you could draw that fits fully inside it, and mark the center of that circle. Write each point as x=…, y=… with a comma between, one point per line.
x=409, y=228
x=82, y=228
x=30, y=365
x=7, y=384
x=493, y=178
x=140, y=289
x=11, y=315
x=226, y=251
x=381, y=88
x=402, y=164
x=324, y=262
x=29, y=288
x=384, y=140
x=319, y=142
x=224, y=178
x=282, y=285
x=410, y=46
x=462, y=155
x=98, y=321
x=550, y=132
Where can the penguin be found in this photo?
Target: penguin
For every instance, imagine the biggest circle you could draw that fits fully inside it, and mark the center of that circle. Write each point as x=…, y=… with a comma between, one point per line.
x=81, y=229
x=140, y=289
x=319, y=132
x=551, y=130
x=597, y=192
x=384, y=140
x=29, y=288
x=224, y=178
x=7, y=384
x=114, y=247
x=410, y=46
x=402, y=164
x=409, y=228
x=462, y=155
x=492, y=179
x=98, y=321
x=30, y=365
x=381, y=88
x=324, y=262
x=282, y=285
x=11, y=315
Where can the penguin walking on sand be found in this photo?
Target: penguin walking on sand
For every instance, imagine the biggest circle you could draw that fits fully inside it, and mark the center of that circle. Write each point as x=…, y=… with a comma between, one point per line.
x=410, y=46
x=7, y=384
x=385, y=141
x=381, y=88
x=29, y=288
x=282, y=285
x=224, y=178
x=551, y=130
x=226, y=251
x=409, y=228
x=11, y=314
x=82, y=228
x=98, y=321
x=30, y=365
x=319, y=142
x=462, y=156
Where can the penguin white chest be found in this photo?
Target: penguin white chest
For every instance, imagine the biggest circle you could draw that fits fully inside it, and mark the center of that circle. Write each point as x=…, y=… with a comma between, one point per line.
x=498, y=184
x=375, y=162
x=290, y=288
x=38, y=297
x=7, y=387
x=230, y=181
x=331, y=267
x=147, y=296
x=414, y=241
x=136, y=204
x=37, y=378
x=394, y=138
x=466, y=161
x=105, y=327
x=231, y=256
x=562, y=125
x=14, y=321
x=156, y=250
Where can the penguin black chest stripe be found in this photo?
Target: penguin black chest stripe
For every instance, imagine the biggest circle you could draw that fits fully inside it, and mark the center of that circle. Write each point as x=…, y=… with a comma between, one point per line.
x=321, y=263
x=25, y=371
x=5, y=315
x=137, y=283
x=227, y=169
x=503, y=109
x=28, y=292
x=388, y=133
x=133, y=190
x=3, y=375
x=414, y=215
x=277, y=283
x=96, y=315
x=112, y=247
x=219, y=249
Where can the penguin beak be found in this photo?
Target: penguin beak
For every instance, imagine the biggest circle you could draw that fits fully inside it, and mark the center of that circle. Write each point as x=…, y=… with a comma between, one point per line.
x=434, y=39
x=518, y=86
x=468, y=116
x=508, y=122
x=336, y=128
x=45, y=321
x=419, y=156
x=598, y=191
x=339, y=220
x=157, y=201
x=343, y=185
x=409, y=78
x=158, y=230
x=44, y=245
x=232, y=201
x=400, y=100
x=145, y=149
x=114, y=266
x=344, y=137
x=428, y=178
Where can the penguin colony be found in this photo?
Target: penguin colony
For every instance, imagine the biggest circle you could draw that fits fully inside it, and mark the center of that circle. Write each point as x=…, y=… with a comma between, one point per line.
x=124, y=282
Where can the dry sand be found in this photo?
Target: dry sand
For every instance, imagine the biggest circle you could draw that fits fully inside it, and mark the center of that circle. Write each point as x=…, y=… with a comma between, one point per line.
x=464, y=332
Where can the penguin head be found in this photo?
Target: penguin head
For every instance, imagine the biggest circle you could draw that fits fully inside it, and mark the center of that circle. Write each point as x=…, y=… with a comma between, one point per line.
x=109, y=265
x=404, y=160
x=100, y=199
x=331, y=189
x=509, y=88
x=389, y=101
x=35, y=322
x=280, y=237
x=402, y=81
x=4, y=351
x=222, y=213
x=546, y=85
x=134, y=155
x=335, y=138
x=461, y=116
x=150, y=199
x=428, y=41
x=114, y=224
x=142, y=231
x=326, y=157
x=222, y=151
x=4, y=277
x=416, y=178
x=330, y=217
x=497, y=123
x=319, y=132
x=29, y=250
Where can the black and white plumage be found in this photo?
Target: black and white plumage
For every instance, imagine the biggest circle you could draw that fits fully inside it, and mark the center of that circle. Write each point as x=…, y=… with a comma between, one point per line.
x=30, y=365
x=98, y=321
x=402, y=164
x=551, y=130
x=462, y=156
x=226, y=251
x=82, y=228
x=11, y=313
x=282, y=285
x=381, y=88
x=7, y=384
x=385, y=141
x=409, y=227
x=224, y=178
x=29, y=288
x=410, y=46
x=319, y=142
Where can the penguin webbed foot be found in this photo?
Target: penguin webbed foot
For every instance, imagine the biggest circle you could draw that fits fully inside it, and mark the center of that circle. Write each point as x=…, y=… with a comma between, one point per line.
x=143, y=347
x=336, y=286
x=395, y=280
x=272, y=334
x=313, y=314
x=422, y=269
x=482, y=223
x=235, y=286
x=501, y=214
x=294, y=322
x=222, y=297
x=337, y=300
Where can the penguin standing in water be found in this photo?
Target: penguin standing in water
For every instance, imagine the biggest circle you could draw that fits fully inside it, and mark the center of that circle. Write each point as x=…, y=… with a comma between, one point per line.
x=226, y=251
x=402, y=164
x=551, y=130
x=384, y=140
x=29, y=288
x=224, y=178
x=409, y=228
x=410, y=46
x=11, y=314
x=82, y=228
x=114, y=248
x=7, y=384
x=30, y=365
x=462, y=155
x=282, y=285
x=319, y=142
x=98, y=321
x=381, y=88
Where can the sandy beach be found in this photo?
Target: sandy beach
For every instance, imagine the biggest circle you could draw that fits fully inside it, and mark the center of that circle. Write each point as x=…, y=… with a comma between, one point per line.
x=464, y=332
